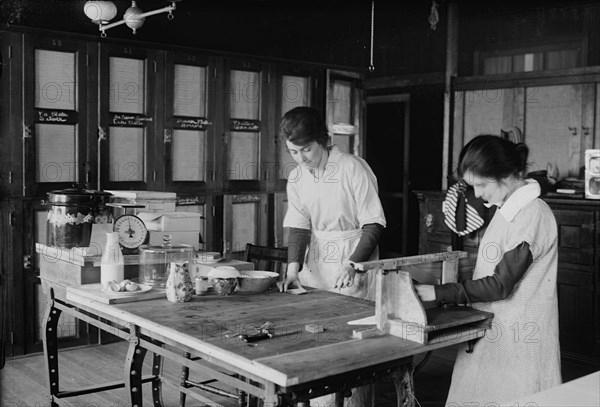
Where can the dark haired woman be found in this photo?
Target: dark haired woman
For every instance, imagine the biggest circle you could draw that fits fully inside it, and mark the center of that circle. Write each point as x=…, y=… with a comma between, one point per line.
x=514, y=277
x=334, y=205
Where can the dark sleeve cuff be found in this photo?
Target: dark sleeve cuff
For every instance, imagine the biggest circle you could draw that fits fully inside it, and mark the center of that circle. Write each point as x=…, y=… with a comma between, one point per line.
x=371, y=233
x=298, y=240
x=507, y=273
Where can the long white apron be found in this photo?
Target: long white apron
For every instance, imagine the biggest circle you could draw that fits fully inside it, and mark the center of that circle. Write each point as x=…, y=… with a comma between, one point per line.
x=520, y=354
x=323, y=262
x=324, y=259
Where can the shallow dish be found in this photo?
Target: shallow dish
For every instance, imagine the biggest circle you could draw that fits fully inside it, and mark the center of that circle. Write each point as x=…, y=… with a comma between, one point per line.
x=142, y=288
x=256, y=281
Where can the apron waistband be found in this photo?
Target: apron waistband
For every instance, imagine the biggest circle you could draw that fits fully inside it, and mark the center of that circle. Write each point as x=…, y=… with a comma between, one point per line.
x=337, y=234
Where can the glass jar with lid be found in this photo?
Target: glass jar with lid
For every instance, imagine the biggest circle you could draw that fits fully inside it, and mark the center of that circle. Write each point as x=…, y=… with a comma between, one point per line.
x=155, y=261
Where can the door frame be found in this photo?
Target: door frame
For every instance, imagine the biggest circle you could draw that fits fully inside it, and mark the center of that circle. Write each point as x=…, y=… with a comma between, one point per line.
x=392, y=98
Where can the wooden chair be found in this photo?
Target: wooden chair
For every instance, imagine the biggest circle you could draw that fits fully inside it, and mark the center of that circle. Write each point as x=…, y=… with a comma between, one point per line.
x=264, y=258
x=267, y=258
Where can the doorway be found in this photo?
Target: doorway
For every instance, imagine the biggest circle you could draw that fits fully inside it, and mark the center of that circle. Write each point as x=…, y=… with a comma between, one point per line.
x=387, y=152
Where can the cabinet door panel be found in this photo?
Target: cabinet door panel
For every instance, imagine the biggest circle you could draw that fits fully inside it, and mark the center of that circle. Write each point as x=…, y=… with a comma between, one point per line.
x=188, y=156
x=553, y=120
x=295, y=92
x=243, y=156
x=244, y=221
x=56, y=152
x=577, y=317
x=127, y=114
x=55, y=107
x=55, y=76
x=127, y=80
x=188, y=117
x=189, y=90
x=126, y=154
x=575, y=236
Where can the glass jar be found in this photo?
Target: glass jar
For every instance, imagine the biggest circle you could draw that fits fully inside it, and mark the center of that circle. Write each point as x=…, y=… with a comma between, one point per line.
x=155, y=261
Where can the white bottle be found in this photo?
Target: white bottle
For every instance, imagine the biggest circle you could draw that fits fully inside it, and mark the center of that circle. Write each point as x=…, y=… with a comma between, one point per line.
x=112, y=263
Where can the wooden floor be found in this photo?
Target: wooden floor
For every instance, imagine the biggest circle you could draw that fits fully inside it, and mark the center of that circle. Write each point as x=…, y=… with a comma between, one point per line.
x=23, y=379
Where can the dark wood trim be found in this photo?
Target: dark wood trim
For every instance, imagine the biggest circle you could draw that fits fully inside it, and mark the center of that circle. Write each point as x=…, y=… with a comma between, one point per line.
x=211, y=52
x=528, y=79
x=389, y=82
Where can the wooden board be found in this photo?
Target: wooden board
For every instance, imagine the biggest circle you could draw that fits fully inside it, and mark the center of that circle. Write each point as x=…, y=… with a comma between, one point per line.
x=95, y=292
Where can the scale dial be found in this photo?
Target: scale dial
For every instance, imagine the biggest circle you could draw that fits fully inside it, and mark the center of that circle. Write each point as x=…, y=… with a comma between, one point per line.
x=132, y=231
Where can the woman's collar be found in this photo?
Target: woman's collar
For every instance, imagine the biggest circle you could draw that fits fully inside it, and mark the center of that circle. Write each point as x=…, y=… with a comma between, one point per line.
x=519, y=198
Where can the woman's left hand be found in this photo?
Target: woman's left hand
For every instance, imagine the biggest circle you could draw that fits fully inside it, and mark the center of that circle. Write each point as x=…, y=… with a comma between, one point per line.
x=345, y=277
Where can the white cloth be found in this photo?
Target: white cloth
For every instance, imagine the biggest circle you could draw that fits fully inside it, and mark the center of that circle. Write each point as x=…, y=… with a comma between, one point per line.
x=520, y=354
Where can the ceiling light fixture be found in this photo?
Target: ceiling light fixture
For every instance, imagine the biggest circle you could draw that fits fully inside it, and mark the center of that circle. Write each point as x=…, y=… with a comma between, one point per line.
x=101, y=12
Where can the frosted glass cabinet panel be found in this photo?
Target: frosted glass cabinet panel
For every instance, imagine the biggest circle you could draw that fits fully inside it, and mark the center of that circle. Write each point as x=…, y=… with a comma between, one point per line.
x=188, y=140
x=244, y=221
x=55, y=80
x=188, y=154
x=51, y=107
x=127, y=109
x=295, y=92
x=55, y=93
x=56, y=152
x=188, y=161
x=190, y=91
x=127, y=85
x=244, y=111
x=126, y=152
x=340, y=102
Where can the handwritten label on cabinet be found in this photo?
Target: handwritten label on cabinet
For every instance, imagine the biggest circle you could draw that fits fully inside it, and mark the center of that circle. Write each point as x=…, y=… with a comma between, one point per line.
x=129, y=119
x=56, y=116
x=244, y=125
x=245, y=198
x=191, y=123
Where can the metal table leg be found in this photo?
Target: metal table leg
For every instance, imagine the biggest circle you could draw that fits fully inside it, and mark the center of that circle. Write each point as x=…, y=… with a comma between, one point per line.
x=133, y=369
x=50, y=343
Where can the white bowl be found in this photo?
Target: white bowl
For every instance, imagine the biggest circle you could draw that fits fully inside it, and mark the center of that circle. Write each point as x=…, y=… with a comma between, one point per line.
x=256, y=281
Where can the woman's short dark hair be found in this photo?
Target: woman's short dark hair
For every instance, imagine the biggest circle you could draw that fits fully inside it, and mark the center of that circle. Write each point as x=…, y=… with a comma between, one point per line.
x=493, y=157
x=303, y=125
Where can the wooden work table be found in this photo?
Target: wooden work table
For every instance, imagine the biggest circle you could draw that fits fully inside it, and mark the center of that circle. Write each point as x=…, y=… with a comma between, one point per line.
x=291, y=367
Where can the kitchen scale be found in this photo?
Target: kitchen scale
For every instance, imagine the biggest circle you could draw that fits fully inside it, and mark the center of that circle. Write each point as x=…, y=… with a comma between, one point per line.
x=131, y=229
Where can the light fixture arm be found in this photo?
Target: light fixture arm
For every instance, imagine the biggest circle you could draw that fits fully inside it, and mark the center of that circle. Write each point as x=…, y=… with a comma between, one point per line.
x=168, y=9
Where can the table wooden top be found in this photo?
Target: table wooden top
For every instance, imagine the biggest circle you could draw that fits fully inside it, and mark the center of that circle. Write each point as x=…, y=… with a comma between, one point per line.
x=293, y=356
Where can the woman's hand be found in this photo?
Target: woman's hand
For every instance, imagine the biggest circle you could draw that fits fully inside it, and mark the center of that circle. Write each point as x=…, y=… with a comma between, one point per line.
x=345, y=277
x=291, y=277
x=426, y=292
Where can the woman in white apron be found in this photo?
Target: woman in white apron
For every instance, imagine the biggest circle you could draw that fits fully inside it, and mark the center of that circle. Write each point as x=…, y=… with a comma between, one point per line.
x=514, y=277
x=334, y=211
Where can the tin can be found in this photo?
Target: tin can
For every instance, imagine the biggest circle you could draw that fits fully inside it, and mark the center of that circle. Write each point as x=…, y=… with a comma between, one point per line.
x=201, y=285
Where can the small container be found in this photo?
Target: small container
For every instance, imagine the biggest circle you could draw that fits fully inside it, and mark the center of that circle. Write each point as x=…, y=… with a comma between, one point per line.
x=155, y=261
x=201, y=285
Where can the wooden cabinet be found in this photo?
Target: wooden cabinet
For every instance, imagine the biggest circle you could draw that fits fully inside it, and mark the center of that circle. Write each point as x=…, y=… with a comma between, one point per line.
x=133, y=116
x=578, y=224
x=556, y=119
x=559, y=126
x=578, y=280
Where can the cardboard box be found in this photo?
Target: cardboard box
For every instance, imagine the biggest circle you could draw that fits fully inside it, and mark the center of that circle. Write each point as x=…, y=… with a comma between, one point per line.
x=202, y=269
x=177, y=237
x=171, y=221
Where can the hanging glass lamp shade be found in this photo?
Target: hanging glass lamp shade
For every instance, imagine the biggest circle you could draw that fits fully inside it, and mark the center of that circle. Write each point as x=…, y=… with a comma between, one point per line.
x=132, y=17
x=100, y=11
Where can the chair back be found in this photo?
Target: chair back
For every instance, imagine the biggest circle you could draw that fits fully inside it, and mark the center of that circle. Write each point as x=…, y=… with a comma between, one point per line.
x=267, y=258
